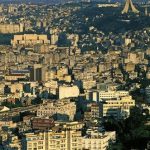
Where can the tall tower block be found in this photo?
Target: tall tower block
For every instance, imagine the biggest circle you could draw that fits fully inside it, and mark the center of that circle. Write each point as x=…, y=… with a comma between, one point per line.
x=129, y=5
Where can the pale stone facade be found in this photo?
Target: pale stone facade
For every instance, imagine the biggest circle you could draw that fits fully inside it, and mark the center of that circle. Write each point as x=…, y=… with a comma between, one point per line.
x=63, y=106
x=67, y=140
x=29, y=40
x=11, y=28
x=118, y=108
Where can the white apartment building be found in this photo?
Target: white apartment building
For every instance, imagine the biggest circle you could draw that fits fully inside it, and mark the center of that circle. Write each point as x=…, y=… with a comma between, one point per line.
x=96, y=95
x=95, y=140
x=67, y=140
x=68, y=91
x=63, y=106
x=51, y=140
x=119, y=108
x=112, y=94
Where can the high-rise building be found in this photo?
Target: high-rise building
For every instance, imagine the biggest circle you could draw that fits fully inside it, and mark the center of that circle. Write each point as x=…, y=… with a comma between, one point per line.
x=37, y=72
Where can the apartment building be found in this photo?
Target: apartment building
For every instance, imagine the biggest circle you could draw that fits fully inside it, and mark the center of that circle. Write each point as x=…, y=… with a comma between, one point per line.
x=118, y=108
x=97, y=95
x=29, y=40
x=67, y=140
x=95, y=140
x=62, y=107
x=112, y=94
x=11, y=28
x=66, y=91
x=52, y=140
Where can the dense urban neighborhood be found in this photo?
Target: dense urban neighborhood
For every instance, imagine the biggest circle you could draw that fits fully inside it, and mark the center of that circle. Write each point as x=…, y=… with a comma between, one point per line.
x=75, y=75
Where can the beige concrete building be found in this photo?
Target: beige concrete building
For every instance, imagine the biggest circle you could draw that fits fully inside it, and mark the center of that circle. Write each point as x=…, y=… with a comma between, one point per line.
x=14, y=143
x=74, y=38
x=50, y=74
x=54, y=39
x=54, y=32
x=127, y=41
x=1, y=8
x=12, y=8
x=68, y=91
x=16, y=87
x=112, y=94
x=29, y=40
x=11, y=28
x=7, y=123
x=67, y=140
x=51, y=140
x=118, y=108
x=95, y=140
x=88, y=84
x=43, y=48
x=14, y=77
x=130, y=67
x=62, y=107
x=93, y=112
x=61, y=71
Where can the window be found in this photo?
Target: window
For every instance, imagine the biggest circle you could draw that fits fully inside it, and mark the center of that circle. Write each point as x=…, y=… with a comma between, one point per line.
x=40, y=142
x=34, y=144
x=29, y=145
x=40, y=147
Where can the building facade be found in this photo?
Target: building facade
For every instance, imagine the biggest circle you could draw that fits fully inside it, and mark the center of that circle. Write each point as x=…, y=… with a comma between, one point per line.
x=62, y=107
x=11, y=28
x=118, y=108
x=29, y=40
x=68, y=91
x=67, y=140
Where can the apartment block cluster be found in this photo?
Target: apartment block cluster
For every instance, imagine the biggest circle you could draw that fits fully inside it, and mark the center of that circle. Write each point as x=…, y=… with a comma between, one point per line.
x=68, y=137
x=51, y=87
x=55, y=96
